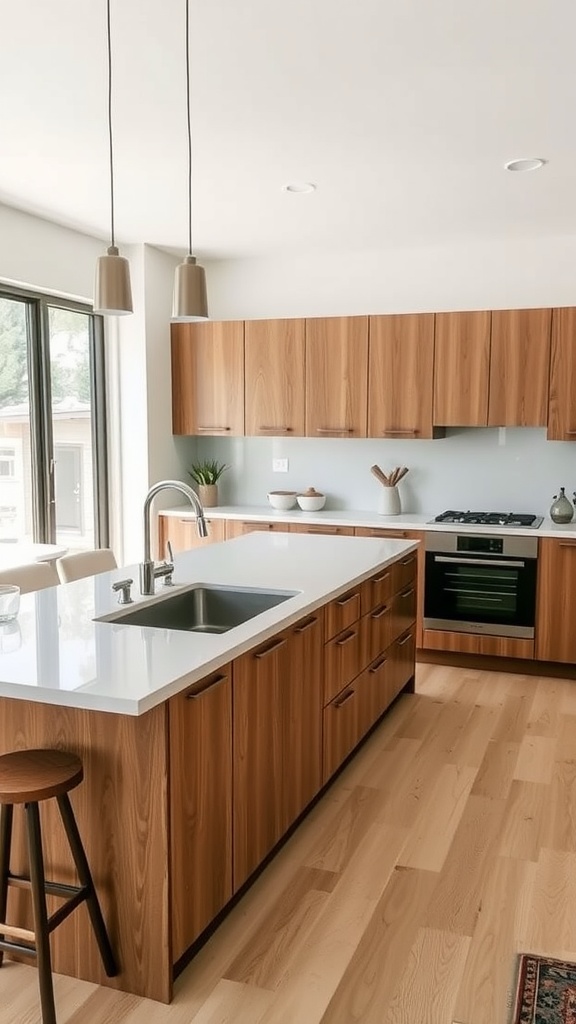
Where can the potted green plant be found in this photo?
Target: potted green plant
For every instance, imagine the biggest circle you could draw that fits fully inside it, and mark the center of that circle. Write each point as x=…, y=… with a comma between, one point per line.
x=206, y=475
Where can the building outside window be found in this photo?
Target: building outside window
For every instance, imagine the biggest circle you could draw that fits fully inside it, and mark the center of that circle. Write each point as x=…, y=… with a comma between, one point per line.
x=53, y=467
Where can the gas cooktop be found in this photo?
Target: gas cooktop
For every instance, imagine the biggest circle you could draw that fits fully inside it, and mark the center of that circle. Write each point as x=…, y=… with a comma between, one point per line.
x=517, y=519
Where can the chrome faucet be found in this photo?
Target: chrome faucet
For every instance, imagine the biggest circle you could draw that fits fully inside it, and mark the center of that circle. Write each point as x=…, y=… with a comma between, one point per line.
x=149, y=571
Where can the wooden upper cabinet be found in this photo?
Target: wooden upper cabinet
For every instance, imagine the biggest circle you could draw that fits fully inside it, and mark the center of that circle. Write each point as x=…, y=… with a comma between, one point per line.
x=462, y=369
x=400, y=375
x=562, y=397
x=519, y=368
x=336, y=376
x=208, y=378
x=274, y=381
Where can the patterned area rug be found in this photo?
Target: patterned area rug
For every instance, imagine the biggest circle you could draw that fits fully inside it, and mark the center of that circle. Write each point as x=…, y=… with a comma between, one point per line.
x=546, y=991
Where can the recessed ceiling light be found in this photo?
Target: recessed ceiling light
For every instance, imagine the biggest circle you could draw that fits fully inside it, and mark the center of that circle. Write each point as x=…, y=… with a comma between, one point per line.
x=299, y=187
x=525, y=164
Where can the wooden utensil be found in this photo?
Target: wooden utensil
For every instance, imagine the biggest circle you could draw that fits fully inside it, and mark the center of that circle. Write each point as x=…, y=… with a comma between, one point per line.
x=380, y=475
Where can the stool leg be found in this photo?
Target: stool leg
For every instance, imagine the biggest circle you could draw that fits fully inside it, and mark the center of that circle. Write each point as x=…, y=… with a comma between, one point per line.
x=42, y=938
x=6, y=811
x=81, y=862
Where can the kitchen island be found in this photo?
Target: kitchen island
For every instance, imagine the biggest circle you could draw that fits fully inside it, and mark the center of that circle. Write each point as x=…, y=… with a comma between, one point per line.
x=174, y=769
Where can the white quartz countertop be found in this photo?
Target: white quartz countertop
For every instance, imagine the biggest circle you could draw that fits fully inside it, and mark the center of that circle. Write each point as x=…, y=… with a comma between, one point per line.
x=373, y=520
x=56, y=653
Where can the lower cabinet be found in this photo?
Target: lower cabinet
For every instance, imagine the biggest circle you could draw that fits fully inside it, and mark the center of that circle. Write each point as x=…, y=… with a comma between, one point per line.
x=200, y=723
x=556, y=601
x=277, y=740
x=183, y=534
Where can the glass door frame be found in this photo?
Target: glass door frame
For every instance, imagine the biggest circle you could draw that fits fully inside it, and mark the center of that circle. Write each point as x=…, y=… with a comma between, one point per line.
x=38, y=360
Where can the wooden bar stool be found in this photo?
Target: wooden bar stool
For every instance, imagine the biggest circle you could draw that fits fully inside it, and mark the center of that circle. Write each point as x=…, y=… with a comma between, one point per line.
x=28, y=777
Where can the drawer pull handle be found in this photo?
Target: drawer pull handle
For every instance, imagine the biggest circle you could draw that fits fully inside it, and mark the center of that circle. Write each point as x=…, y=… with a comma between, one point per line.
x=334, y=430
x=378, y=665
x=344, y=700
x=346, y=600
x=409, y=561
x=209, y=429
x=303, y=628
x=270, y=650
x=407, y=593
x=380, y=612
x=392, y=432
x=405, y=640
x=567, y=544
x=380, y=579
x=346, y=639
x=570, y=433
x=211, y=684
x=279, y=430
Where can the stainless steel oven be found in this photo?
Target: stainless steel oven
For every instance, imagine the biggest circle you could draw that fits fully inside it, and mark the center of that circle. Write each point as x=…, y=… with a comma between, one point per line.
x=476, y=583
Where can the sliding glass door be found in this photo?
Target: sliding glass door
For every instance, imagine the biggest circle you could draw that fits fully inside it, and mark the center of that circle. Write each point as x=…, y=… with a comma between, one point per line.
x=53, y=480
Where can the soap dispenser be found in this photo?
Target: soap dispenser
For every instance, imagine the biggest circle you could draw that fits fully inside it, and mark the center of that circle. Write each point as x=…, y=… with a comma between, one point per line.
x=561, y=510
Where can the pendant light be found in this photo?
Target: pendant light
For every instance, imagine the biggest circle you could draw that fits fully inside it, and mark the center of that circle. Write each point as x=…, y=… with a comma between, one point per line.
x=189, y=302
x=112, y=291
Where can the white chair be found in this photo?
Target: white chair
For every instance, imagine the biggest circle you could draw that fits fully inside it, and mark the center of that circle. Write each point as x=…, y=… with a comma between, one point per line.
x=85, y=563
x=34, y=576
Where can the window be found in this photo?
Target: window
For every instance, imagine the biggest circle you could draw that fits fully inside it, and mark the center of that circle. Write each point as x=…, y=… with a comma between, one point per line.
x=53, y=472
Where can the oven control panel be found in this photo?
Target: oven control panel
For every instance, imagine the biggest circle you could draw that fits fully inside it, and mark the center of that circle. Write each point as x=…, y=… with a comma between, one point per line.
x=489, y=545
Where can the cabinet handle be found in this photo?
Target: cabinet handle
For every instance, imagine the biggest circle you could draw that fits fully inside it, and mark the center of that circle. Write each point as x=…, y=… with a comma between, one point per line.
x=344, y=700
x=377, y=665
x=346, y=600
x=302, y=629
x=380, y=612
x=400, y=643
x=270, y=650
x=211, y=684
x=407, y=593
x=400, y=433
x=570, y=433
x=380, y=579
x=408, y=561
x=334, y=430
x=567, y=544
x=211, y=429
x=278, y=430
x=346, y=639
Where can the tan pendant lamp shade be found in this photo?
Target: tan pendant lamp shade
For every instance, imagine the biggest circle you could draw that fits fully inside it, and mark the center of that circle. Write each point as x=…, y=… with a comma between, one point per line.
x=112, y=291
x=190, y=301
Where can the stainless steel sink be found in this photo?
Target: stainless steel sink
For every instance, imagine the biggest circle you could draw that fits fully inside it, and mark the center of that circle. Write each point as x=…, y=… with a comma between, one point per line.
x=203, y=609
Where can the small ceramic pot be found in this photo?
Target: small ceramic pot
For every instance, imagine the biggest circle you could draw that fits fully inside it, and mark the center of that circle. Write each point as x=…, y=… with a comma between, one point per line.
x=389, y=503
x=208, y=494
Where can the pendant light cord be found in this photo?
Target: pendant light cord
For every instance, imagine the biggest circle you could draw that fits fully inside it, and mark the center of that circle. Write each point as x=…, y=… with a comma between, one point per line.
x=109, y=43
x=189, y=127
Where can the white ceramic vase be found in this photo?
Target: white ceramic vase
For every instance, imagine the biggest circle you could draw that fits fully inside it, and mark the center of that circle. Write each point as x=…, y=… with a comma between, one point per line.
x=389, y=504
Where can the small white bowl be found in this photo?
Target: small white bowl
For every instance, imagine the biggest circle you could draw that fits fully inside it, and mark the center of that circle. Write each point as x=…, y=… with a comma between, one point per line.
x=311, y=503
x=282, y=500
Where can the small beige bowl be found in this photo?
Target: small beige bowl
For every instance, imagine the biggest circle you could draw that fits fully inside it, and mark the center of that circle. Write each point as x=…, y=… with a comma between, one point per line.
x=282, y=500
x=311, y=500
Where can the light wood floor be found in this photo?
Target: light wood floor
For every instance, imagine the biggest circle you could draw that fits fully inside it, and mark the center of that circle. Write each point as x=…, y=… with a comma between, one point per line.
x=446, y=847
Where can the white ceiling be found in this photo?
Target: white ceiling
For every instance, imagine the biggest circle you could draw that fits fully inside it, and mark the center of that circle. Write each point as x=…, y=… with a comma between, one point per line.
x=401, y=111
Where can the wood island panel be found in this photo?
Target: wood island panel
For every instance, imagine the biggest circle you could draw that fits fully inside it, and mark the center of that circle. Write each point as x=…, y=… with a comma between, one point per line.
x=122, y=812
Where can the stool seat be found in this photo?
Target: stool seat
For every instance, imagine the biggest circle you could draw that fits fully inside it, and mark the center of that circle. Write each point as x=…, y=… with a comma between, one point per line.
x=29, y=776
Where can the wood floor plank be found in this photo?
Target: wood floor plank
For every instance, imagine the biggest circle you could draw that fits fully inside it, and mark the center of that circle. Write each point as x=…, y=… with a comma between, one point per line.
x=429, y=985
x=496, y=771
x=457, y=899
x=559, y=822
x=233, y=1002
x=551, y=923
x=524, y=820
x=433, y=831
x=490, y=970
x=470, y=749
x=566, y=745
x=536, y=758
x=546, y=708
x=516, y=710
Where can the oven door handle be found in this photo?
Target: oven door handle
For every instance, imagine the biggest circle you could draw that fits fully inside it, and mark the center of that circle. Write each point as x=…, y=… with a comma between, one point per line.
x=478, y=561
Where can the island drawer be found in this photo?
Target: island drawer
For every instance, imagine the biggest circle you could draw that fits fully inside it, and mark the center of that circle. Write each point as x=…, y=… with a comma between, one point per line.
x=342, y=612
x=377, y=590
x=342, y=724
x=343, y=660
x=405, y=570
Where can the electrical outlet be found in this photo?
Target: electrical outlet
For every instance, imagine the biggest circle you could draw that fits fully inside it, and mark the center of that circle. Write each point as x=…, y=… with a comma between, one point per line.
x=279, y=465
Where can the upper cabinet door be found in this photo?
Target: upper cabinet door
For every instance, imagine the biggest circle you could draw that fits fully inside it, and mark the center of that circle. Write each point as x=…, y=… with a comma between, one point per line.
x=208, y=378
x=519, y=368
x=274, y=393
x=562, y=400
x=401, y=366
x=462, y=369
x=336, y=376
